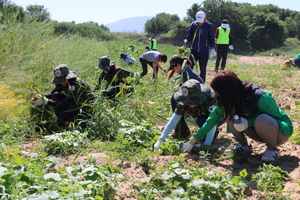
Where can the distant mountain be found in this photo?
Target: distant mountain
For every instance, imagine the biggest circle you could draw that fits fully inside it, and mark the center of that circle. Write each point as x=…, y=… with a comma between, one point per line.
x=133, y=24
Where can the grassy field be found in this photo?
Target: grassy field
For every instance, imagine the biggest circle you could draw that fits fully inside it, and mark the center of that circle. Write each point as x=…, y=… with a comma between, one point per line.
x=123, y=129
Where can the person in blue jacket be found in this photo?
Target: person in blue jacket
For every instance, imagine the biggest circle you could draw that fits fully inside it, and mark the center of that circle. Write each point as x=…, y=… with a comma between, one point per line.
x=260, y=117
x=201, y=38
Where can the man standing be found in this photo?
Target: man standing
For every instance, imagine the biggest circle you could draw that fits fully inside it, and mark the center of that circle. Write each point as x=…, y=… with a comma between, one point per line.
x=153, y=44
x=201, y=38
x=223, y=38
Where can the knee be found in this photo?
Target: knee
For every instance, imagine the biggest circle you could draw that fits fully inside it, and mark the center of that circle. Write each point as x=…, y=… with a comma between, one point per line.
x=261, y=119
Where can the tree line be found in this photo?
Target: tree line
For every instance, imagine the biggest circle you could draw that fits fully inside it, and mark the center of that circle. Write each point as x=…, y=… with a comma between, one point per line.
x=254, y=28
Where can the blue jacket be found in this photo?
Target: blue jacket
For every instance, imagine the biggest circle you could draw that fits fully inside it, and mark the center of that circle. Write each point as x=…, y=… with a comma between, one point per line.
x=204, y=38
x=189, y=73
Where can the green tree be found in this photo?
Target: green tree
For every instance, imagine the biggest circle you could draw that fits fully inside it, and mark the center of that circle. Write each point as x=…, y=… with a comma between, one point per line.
x=38, y=13
x=191, y=12
x=87, y=29
x=292, y=26
x=10, y=13
x=179, y=28
x=266, y=32
x=161, y=23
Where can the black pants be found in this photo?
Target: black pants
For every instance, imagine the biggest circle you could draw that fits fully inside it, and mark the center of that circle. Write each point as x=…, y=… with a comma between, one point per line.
x=222, y=51
x=145, y=67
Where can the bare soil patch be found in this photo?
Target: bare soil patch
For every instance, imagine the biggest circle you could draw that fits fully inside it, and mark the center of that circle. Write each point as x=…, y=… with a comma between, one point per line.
x=257, y=60
x=289, y=161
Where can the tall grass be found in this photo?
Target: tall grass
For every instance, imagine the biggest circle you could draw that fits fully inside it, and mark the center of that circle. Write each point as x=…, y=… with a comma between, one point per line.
x=30, y=51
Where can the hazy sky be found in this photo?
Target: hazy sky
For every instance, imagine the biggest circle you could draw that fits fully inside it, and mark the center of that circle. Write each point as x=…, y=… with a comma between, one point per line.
x=109, y=11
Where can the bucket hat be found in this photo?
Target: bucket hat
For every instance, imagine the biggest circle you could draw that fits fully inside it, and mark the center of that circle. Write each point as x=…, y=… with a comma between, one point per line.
x=192, y=93
x=62, y=73
x=105, y=62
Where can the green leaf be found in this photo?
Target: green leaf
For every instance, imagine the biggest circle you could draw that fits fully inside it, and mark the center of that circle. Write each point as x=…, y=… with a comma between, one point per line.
x=54, y=176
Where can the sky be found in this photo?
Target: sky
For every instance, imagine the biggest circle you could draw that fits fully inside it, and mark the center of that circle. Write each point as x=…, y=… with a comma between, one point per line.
x=109, y=11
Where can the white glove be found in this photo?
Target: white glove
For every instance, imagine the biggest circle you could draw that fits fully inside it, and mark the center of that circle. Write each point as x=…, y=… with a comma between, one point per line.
x=40, y=102
x=213, y=52
x=242, y=126
x=136, y=75
x=158, y=143
x=187, y=147
x=230, y=47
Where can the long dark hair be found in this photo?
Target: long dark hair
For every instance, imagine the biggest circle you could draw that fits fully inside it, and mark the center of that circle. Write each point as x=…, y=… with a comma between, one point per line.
x=229, y=91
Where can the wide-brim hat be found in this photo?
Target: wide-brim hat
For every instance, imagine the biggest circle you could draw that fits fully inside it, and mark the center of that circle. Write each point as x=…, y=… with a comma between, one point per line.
x=62, y=73
x=104, y=62
x=192, y=92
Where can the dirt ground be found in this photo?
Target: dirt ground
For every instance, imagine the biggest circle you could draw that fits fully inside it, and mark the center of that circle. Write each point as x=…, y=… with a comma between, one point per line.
x=289, y=161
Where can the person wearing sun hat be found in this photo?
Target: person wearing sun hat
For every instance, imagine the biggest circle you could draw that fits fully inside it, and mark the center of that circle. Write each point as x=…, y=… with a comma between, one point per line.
x=197, y=100
x=69, y=95
x=181, y=66
x=114, y=76
x=201, y=39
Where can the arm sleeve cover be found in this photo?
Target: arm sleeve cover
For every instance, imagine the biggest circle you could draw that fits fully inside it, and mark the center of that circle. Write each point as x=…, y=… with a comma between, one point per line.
x=170, y=126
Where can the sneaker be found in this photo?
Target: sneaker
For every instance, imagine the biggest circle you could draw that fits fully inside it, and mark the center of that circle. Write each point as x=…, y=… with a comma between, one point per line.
x=270, y=155
x=242, y=149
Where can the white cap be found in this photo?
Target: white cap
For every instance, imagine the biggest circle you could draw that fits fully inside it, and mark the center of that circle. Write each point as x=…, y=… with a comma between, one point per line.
x=200, y=15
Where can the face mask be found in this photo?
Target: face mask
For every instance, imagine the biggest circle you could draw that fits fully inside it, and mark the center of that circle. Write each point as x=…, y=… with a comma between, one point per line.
x=225, y=25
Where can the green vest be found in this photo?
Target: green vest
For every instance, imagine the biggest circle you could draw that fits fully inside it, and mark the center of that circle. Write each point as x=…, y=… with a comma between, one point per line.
x=153, y=44
x=223, y=37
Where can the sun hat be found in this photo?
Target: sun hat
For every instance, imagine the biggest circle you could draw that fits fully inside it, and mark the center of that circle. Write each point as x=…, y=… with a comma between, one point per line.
x=200, y=15
x=192, y=93
x=105, y=62
x=62, y=73
x=174, y=61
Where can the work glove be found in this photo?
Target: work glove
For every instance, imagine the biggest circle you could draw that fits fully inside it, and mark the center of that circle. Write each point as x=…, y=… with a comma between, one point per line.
x=136, y=75
x=213, y=52
x=185, y=42
x=241, y=126
x=230, y=47
x=157, y=144
x=187, y=147
x=41, y=101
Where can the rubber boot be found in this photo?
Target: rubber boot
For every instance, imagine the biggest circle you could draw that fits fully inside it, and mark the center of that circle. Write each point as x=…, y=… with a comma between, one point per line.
x=181, y=131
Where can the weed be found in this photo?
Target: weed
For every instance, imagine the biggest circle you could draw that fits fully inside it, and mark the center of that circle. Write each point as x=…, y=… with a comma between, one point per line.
x=270, y=179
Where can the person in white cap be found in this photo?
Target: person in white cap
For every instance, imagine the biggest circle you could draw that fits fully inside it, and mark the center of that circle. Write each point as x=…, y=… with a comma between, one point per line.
x=133, y=52
x=201, y=39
